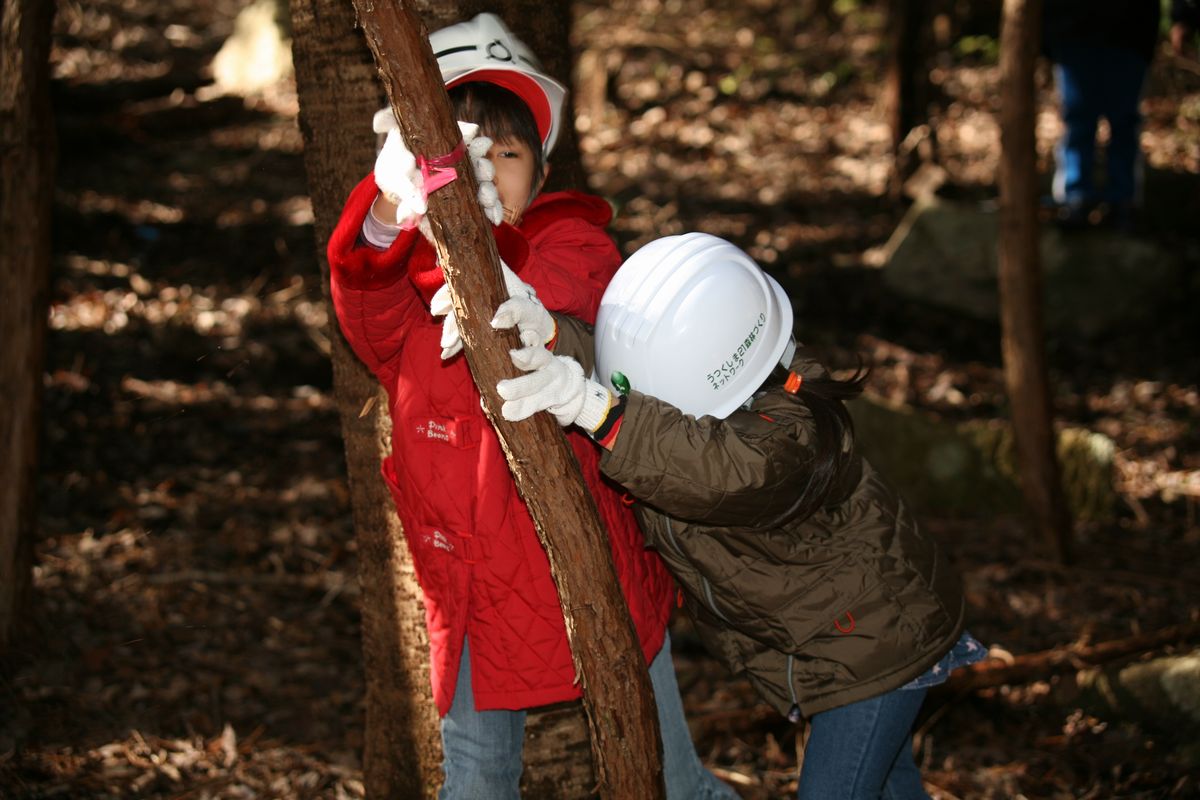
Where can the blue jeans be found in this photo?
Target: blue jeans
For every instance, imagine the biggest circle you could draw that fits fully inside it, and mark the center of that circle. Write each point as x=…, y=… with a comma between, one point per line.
x=482, y=749
x=1094, y=82
x=863, y=751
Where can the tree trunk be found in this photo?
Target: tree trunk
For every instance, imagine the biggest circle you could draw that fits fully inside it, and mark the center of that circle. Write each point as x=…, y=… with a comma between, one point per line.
x=616, y=686
x=26, y=195
x=339, y=91
x=1020, y=281
x=903, y=78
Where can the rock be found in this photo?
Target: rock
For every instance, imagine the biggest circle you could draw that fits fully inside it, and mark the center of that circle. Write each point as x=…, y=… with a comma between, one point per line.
x=968, y=468
x=944, y=253
x=1163, y=692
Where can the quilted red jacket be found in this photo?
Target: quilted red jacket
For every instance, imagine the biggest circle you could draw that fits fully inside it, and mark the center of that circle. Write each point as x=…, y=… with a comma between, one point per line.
x=476, y=554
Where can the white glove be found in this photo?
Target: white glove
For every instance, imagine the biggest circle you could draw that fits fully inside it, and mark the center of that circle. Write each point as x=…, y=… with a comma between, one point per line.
x=555, y=384
x=485, y=172
x=534, y=324
x=399, y=177
x=440, y=305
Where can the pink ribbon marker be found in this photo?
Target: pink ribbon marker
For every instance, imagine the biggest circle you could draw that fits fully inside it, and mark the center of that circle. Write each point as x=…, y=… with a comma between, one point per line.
x=438, y=171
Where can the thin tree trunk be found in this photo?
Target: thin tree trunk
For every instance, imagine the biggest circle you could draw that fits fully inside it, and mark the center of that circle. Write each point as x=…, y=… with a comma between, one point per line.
x=339, y=92
x=557, y=757
x=900, y=83
x=616, y=687
x=1020, y=282
x=26, y=195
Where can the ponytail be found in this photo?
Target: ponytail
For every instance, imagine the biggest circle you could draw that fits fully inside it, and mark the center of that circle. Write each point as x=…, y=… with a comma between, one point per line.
x=825, y=397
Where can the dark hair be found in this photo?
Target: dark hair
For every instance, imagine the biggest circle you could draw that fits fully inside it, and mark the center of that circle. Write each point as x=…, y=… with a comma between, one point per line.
x=825, y=398
x=500, y=114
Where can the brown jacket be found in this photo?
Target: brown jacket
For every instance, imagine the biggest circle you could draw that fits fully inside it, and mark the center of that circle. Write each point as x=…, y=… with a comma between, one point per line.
x=815, y=606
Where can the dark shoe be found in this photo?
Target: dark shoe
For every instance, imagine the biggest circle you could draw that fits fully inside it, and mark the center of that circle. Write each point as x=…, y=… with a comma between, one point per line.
x=1121, y=218
x=1073, y=216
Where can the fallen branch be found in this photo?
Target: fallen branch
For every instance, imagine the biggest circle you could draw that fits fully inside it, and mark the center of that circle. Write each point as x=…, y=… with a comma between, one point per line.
x=617, y=695
x=1031, y=666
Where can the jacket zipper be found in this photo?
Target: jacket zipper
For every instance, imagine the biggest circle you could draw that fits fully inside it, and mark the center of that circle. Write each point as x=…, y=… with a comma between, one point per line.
x=793, y=714
x=708, y=595
x=704, y=583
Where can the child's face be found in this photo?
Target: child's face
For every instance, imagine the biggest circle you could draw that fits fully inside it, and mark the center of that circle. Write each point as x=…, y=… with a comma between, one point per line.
x=514, y=176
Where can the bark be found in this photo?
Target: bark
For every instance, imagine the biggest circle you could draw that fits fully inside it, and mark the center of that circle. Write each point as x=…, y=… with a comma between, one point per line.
x=1020, y=282
x=612, y=673
x=339, y=92
x=26, y=194
x=558, y=756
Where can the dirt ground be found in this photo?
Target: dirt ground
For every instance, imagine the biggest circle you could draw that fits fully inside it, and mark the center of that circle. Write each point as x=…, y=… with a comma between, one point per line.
x=195, y=627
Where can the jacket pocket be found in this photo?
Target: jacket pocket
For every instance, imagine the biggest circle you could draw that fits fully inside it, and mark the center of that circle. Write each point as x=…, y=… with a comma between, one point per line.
x=460, y=433
x=803, y=603
x=440, y=555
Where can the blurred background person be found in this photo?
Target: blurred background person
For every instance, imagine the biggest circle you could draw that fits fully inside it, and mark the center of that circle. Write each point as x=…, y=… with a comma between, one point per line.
x=1100, y=53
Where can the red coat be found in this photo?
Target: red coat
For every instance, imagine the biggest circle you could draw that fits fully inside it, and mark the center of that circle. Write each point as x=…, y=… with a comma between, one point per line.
x=477, y=556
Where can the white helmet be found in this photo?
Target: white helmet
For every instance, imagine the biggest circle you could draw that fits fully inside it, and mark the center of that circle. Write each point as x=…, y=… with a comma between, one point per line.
x=692, y=320
x=484, y=49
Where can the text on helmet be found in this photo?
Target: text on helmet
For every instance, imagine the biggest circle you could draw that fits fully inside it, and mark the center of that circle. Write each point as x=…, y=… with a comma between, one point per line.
x=724, y=373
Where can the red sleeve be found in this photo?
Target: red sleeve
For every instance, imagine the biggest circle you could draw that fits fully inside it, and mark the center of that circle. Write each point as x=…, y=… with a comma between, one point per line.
x=355, y=263
x=571, y=256
x=372, y=297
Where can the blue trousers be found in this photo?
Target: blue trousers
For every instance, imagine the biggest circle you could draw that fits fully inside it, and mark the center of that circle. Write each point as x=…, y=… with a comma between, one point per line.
x=482, y=749
x=863, y=751
x=1096, y=82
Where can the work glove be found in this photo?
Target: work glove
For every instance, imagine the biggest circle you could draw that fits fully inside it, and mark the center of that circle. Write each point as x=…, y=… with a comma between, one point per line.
x=402, y=181
x=533, y=322
x=555, y=384
x=485, y=172
x=451, y=342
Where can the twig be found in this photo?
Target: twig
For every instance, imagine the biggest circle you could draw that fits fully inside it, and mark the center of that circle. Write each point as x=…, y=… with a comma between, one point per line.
x=731, y=776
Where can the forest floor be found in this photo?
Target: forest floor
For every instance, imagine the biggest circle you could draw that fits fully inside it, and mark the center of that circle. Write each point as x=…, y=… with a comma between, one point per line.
x=195, y=633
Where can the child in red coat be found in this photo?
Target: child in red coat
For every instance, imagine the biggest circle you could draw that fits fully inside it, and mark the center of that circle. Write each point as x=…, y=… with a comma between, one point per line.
x=498, y=642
